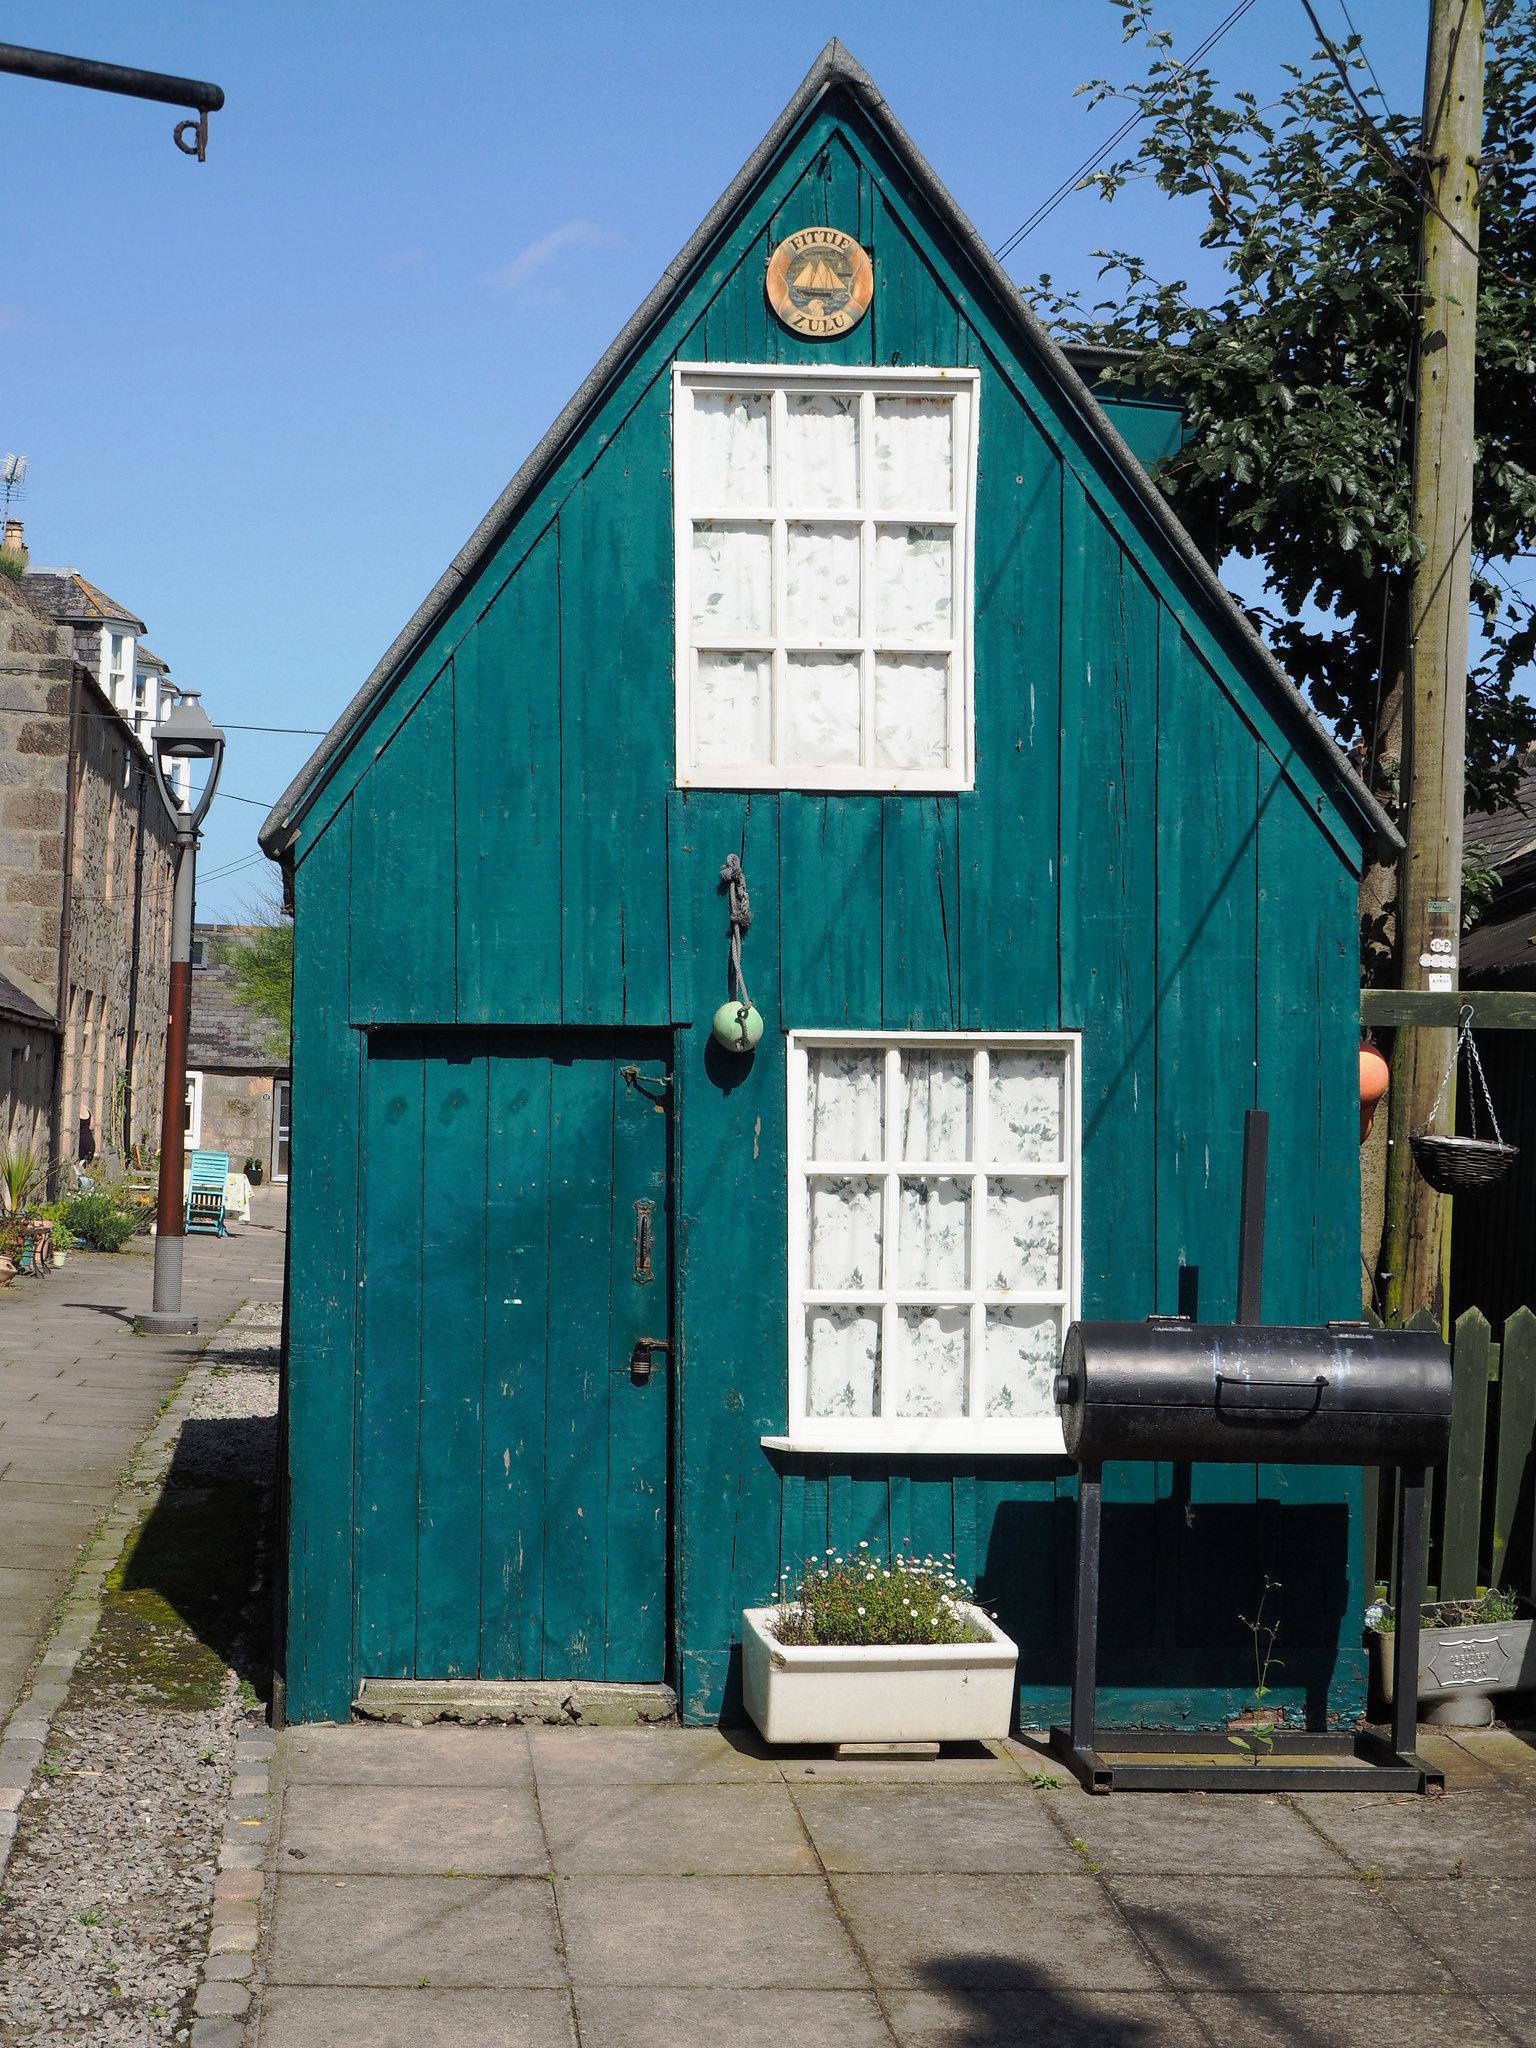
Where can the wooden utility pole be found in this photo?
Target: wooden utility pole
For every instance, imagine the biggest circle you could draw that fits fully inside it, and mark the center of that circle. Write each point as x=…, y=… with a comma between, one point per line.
x=1416, y=1240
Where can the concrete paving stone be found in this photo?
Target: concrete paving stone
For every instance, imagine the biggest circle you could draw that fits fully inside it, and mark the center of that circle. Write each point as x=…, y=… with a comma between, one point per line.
x=218, y=2034
x=1036, y=2014
x=24, y=1750
x=236, y=1912
x=969, y=1764
x=1466, y=1834
x=933, y=1827
x=729, y=2019
x=1479, y=1928
x=1359, y=2019
x=227, y=1940
x=215, y=2000
x=8, y=1825
x=237, y=1884
x=1517, y=2016
x=1506, y=1751
x=1201, y=1834
x=397, y=1930
x=681, y=1830
x=646, y=1756
x=928, y=1933
x=246, y=1806
x=1274, y=1934
x=11, y=1797
x=412, y=1829
x=240, y=1855
x=295, y=2018
x=364, y=1754
x=678, y=1933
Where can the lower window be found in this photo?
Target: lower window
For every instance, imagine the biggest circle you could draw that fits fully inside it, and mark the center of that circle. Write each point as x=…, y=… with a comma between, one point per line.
x=933, y=1227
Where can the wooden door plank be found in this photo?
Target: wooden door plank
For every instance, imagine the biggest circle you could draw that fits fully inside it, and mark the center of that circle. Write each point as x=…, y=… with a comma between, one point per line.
x=920, y=907
x=507, y=776
x=636, y=1633
x=448, y=1591
x=389, y=1415
x=517, y=1324
x=832, y=922
x=580, y=1359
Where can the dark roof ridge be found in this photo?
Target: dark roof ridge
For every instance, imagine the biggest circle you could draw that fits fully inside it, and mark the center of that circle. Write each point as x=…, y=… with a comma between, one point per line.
x=835, y=66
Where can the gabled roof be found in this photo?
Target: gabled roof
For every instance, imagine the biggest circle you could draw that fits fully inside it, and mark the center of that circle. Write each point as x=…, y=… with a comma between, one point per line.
x=66, y=597
x=834, y=69
x=18, y=1005
x=1508, y=835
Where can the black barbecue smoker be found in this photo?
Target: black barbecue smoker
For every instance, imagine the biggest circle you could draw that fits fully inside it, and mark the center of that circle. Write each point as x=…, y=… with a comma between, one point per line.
x=1239, y=1393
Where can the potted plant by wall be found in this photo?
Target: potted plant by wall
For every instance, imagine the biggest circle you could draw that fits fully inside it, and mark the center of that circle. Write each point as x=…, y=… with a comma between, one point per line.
x=253, y=1171
x=1469, y=1653
x=864, y=1650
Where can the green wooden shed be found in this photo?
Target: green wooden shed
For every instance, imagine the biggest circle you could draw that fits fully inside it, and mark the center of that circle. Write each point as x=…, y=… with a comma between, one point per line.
x=833, y=564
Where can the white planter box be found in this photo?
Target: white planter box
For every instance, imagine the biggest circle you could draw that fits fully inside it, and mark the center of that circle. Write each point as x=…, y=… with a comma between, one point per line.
x=1463, y=1669
x=888, y=1692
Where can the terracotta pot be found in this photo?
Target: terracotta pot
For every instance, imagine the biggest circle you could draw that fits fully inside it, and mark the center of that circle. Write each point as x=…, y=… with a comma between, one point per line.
x=1374, y=1076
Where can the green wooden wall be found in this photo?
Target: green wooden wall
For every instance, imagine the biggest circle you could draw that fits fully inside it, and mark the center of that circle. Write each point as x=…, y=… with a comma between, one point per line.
x=1146, y=857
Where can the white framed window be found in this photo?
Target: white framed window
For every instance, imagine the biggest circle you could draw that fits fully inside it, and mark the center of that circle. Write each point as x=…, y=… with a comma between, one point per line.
x=824, y=522
x=192, y=1112
x=934, y=1215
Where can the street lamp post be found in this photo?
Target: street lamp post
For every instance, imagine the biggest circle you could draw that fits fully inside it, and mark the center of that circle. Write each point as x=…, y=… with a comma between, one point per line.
x=186, y=735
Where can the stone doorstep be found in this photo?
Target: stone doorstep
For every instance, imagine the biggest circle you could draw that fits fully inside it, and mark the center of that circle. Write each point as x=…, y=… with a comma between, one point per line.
x=513, y=1702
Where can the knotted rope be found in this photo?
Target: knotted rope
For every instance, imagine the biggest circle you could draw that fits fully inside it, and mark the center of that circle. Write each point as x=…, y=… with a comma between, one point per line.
x=734, y=882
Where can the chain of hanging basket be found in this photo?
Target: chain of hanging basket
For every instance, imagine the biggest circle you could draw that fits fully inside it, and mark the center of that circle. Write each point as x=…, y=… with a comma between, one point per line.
x=1455, y=1165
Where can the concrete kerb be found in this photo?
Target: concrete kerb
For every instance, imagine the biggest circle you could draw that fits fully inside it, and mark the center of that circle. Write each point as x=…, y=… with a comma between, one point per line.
x=223, y=1992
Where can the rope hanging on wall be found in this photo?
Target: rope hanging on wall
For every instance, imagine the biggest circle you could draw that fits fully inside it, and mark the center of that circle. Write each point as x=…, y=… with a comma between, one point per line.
x=1455, y=1166
x=738, y=1025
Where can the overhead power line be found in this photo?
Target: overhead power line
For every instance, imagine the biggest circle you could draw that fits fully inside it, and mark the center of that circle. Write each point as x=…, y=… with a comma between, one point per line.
x=1069, y=185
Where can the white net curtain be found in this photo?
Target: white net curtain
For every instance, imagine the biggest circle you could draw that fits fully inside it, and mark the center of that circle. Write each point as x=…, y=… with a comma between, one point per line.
x=935, y=1235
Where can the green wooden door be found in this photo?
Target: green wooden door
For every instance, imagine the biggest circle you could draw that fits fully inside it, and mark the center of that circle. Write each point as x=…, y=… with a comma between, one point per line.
x=512, y=1461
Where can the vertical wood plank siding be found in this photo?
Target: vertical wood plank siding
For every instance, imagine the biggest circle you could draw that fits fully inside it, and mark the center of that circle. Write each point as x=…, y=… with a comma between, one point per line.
x=1141, y=859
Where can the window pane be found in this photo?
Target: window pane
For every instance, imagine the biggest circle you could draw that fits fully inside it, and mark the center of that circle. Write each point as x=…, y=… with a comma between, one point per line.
x=843, y=1110
x=914, y=583
x=1024, y=1107
x=733, y=580
x=914, y=458
x=730, y=450
x=932, y=1346
x=912, y=710
x=821, y=582
x=822, y=711
x=935, y=1105
x=821, y=452
x=1023, y=1235
x=842, y=1361
x=1022, y=1352
x=934, y=1251
x=843, y=1235
x=733, y=709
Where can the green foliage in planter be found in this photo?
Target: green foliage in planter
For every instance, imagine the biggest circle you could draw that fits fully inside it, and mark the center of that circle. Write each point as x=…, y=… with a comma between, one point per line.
x=99, y=1222
x=862, y=1599
x=64, y=1239
x=1498, y=1604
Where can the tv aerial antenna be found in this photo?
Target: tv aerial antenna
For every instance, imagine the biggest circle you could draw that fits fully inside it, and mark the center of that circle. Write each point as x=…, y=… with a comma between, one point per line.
x=13, y=479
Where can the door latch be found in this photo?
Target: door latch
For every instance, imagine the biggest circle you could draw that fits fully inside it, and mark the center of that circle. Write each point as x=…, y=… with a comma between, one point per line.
x=644, y=1232
x=642, y=1360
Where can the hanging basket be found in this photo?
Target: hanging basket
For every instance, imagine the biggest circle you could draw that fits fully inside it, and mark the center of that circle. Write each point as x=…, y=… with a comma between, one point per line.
x=1455, y=1166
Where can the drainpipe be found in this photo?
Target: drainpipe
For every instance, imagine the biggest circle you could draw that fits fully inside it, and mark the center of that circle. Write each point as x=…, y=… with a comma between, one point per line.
x=133, y=966
x=66, y=927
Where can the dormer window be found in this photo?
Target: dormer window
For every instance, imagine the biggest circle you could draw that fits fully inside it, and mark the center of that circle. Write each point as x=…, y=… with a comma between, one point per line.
x=824, y=539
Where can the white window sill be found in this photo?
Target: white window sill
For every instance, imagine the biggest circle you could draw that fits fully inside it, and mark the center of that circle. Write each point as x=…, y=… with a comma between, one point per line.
x=1040, y=1440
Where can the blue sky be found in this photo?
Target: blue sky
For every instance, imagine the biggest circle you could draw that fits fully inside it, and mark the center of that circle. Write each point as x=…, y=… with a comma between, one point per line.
x=267, y=398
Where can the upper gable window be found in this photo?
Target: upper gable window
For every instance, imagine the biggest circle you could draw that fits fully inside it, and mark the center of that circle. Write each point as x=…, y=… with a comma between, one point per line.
x=824, y=526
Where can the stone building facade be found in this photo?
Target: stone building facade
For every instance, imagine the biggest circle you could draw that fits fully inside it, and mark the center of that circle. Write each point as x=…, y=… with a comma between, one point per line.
x=86, y=858
x=237, y=1063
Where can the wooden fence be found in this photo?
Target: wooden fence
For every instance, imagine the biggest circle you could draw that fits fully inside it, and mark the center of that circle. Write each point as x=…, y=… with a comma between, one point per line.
x=1482, y=1528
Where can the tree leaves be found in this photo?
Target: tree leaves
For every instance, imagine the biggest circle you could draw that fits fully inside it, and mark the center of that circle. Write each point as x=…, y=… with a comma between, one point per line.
x=1297, y=371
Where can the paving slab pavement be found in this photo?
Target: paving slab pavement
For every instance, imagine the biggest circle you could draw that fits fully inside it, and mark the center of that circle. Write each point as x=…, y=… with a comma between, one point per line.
x=78, y=1390
x=618, y=1888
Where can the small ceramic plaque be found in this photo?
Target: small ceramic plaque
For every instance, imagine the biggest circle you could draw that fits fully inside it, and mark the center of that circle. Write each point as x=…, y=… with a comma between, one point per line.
x=820, y=282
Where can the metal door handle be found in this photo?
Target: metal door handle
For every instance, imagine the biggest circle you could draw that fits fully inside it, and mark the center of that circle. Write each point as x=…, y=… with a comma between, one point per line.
x=642, y=1359
x=1291, y=1395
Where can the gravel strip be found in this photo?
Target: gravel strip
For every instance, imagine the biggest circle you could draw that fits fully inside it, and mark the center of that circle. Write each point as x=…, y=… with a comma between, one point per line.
x=110, y=1892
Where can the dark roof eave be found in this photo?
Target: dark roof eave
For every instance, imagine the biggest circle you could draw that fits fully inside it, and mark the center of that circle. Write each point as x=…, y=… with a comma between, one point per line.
x=834, y=67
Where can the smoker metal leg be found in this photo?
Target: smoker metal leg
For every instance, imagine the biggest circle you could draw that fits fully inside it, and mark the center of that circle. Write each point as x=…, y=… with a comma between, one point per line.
x=1085, y=1604
x=1410, y=1591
